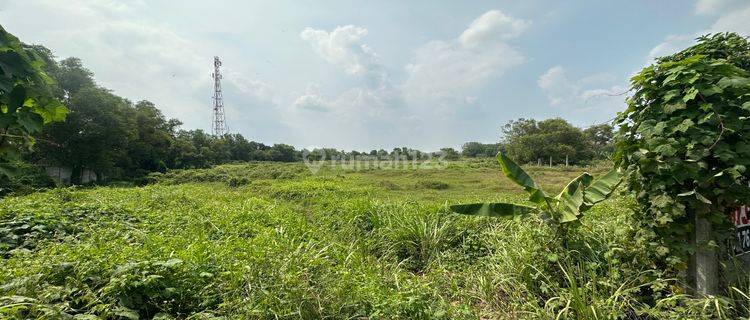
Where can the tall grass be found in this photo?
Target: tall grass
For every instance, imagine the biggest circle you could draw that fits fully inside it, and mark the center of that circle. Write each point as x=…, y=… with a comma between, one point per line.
x=340, y=245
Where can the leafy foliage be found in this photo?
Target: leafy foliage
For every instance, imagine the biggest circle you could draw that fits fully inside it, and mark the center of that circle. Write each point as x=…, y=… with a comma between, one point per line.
x=684, y=142
x=528, y=141
x=26, y=103
x=479, y=150
x=576, y=198
x=600, y=139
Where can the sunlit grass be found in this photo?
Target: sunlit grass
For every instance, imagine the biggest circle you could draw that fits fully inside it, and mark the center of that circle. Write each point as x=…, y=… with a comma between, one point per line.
x=340, y=244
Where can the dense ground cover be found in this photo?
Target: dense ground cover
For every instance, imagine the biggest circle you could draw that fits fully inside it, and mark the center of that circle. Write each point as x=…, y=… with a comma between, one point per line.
x=268, y=240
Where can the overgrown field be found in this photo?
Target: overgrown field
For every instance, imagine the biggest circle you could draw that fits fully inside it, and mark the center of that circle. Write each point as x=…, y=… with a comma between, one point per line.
x=264, y=241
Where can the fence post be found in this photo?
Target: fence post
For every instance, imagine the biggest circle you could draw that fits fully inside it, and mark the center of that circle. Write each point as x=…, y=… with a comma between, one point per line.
x=706, y=261
x=550, y=161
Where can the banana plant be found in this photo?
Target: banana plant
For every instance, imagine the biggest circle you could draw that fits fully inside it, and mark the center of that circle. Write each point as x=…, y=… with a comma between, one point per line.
x=578, y=196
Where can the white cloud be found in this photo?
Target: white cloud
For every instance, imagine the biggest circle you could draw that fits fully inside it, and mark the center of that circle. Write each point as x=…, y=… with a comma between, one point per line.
x=448, y=71
x=731, y=16
x=344, y=47
x=312, y=99
x=671, y=45
x=442, y=75
x=136, y=59
x=736, y=20
x=494, y=25
x=557, y=86
x=140, y=54
x=582, y=94
x=712, y=7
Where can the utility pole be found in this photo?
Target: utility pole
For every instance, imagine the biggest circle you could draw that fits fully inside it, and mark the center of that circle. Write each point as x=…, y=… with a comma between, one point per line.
x=218, y=121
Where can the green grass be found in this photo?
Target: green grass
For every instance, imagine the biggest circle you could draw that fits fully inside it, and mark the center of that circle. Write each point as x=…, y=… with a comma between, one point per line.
x=266, y=241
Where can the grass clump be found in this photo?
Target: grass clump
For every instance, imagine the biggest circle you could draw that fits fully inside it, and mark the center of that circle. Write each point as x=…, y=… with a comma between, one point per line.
x=434, y=185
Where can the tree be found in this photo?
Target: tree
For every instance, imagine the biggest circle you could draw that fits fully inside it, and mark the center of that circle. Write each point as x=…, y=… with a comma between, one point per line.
x=601, y=140
x=382, y=154
x=95, y=135
x=149, y=151
x=26, y=102
x=528, y=140
x=476, y=149
x=193, y=149
x=283, y=153
x=450, y=154
x=72, y=76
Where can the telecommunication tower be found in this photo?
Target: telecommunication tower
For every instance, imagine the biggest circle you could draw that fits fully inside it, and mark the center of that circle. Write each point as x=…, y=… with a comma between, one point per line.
x=219, y=122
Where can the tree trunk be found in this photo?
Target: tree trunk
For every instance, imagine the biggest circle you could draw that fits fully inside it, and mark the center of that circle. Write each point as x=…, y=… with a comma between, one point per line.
x=706, y=263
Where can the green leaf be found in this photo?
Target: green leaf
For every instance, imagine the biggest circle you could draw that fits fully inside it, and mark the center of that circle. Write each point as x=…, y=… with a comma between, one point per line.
x=126, y=313
x=709, y=91
x=520, y=177
x=670, y=78
x=684, y=126
x=571, y=200
x=690, y=95
x=169, y=263
x=32, y=122
x=671, y=94
x=702, y=198
x=53, y=111
x=498, y=209
x=670, y=108
x=602, y=188
x=8, y=169
x=734, y=81
x=585, y=179
x=16, y=98
x=666, y=150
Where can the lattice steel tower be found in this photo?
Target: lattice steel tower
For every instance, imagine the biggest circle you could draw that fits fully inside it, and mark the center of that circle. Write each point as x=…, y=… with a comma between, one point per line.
x=219, y=122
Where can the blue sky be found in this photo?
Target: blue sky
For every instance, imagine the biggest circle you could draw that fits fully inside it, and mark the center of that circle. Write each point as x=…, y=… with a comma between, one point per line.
x=375, y=74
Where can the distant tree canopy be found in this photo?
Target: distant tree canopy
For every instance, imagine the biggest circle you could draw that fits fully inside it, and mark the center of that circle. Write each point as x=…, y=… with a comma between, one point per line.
x=600, y=139
x=479, y=150
x=528, y=141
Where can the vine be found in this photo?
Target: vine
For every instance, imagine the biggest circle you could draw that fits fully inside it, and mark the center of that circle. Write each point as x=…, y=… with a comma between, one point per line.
x=26, y=103
x=684, y=142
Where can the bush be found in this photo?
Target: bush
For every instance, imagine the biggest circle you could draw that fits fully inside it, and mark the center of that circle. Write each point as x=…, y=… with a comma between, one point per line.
x=26, y=179
x=241, y=173
x=434, y=185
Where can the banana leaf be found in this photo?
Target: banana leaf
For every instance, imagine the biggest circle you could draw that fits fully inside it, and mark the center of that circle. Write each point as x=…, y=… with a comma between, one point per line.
x=498, y=210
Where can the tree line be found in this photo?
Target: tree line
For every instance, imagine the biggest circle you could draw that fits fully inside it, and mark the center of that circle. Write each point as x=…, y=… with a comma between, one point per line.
x=118, y=139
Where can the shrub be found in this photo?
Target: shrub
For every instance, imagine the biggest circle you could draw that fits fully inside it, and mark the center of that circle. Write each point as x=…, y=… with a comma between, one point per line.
x=434, y=185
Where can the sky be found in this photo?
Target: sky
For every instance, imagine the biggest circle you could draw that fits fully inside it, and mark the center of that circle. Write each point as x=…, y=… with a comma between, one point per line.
x=372, y=74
